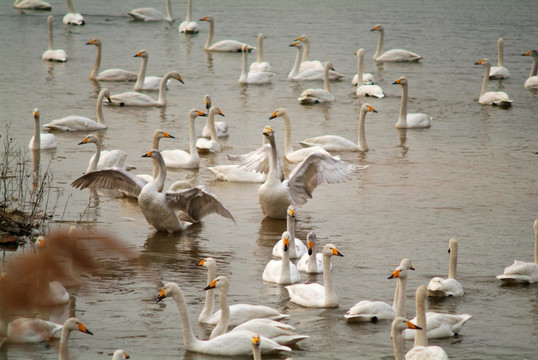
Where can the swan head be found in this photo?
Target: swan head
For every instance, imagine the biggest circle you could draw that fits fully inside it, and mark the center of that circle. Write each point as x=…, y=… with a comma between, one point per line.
x=245, y=48
x=331, y=250
x=216, y=110
x=484, y=62
x=219, y=282
x=359, y=52
x=159, y=134
x=142, y=54
x=194, y=113
x=533, y=53
x=367, y=107
x=36, y=114
x=94, y=41
x=399, y=273
x=328, y=65
x=154, y=154
x=174, y=75
x=40, y=241
x=207, y=102
x=167, y=291
x=75, y=324
x=90, y=139
x=267, y=131
x=278, y=112
x=378, y=27
x=402, y=80
x=256, y=340
x=297, y=44
x=453, y=246
x=106, y=94
x=303, y=39
x=310, y=239
x=120, y=354
x=208, y=262
x=208, y=18
x=406, y=263
x=291, y=211
x=286, y=240
x=399, y=324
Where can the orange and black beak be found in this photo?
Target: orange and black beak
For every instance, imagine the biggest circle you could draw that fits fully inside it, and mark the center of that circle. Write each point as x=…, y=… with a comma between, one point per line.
x=395, y=274
x=337, y=253
x=83, y=329
x=211, y=285
x=161, y=296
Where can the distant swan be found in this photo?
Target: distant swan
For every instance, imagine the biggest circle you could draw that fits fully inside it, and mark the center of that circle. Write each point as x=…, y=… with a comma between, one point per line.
x=253, y=77
x=495, y=98
x=282, y=271
x=110, y=74
x=367, y=78
x=188, y=26
x=72, y=18
x=399, y=55
x=532, y=80
x=398, y=325
x=32, y=5
x=296, y=247
x=440, y=287
x=144, y=82
x=105, y=159
x=409, y=120
x=311, y=262
x=260, y=64
x=41, y=141
x=306, y=63
x=120, y=355
x=303, y=69
x=366, y=88
x=521, y=271
x=221, y=127
x=58, y=55
x=203, y=145
x=223, y=45
x=499, y=71
x=152, y=14
x=316, y=96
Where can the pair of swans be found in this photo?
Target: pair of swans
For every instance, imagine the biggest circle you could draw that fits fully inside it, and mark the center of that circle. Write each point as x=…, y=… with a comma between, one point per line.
x=152, y=14
x=260, y=64
x=532, y=80
x=522, y=272
x=72, y=18
x=366, y=87
x=204, y=145
x=253, y=76
x=304, y=69
x=223, y=45
x=32, y=5
x=105, y=159
x=439, y=287
x=393, y=55
x=160, y=209
x=296, y=248
x=110, y=74
x=283, y=271
x=143, y=82
x=499, y=72
x=41, y=141
x=316, y=96
x=221, y=127
x=495, y=98
x=58, y=55
x=409, y=120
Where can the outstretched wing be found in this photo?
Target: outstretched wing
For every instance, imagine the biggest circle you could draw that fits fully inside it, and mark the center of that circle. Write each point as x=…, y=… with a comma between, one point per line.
x=112, y=179
x=257, y=160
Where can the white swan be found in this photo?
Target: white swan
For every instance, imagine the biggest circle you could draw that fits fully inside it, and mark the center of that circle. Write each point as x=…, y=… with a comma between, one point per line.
x=57, y=294
x=296, y=247
x=316, y=295
x=307, y=64
x=362, y=88
x=152, y=14
x=311, y=262
x=70, y=325
x=256, y=352
x=181, y=158
x=221, y=127
x=440, y=325
x=522, y=271
x=367, y=78
x=316, y=96
x=399, y=55
x=160, y=209
x=133, y=98
x=295, y=70
x=31, y=330
x=253, y=77
x=110, y=74
x=260, y=64
x=120, y=354
x=82, y=123
x=223, y=45
x=339, y=143
x=41, y=141
x=277, y=193
x=72, y=18
x=58, y=55
x=440, y=287
x=495, y=98
x=236, y=173
x=303, y=69
x=203, y=145
x=232, y=344
x=282, y=271
x=409, y=120
x=143, y=82
x=499, y=71
x=532, y=80
x=105, y=159
x=399, y=324
x=188, y=26
x=32, y=5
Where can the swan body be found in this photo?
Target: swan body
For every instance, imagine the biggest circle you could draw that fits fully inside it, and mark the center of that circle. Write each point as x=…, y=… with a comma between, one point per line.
x=316, y=295
x=316, y=96
x=105, y=159
x=152, y=14
x=315, y=73
x=296, y=248
x=41, y=141
x=441, y=325
x=282, y=271
x=394, y=55
x=31, y=330
x=143, y=82
x=58, y=55
x=232, y=343
x=311, y=262
x=188, y=26
x=221, y=127
x=236, y=173
x=32, y=5
x=133, y=98
x=253, y=77
x=81, y=123
x=223, y=45
x=532, y=80
x=120, y=355
x=72, y=18
x=203, y=145
x=495, y=98
x=260, y=64
x=338, y=143
x=521, y=271
x=400, y=324
x=440, y=287
x=409, y=120
x=499, y=71
x=367, y=89
x=110, y=74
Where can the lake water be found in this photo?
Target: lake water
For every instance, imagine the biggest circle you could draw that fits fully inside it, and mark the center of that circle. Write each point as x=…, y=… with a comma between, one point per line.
x=472, y=175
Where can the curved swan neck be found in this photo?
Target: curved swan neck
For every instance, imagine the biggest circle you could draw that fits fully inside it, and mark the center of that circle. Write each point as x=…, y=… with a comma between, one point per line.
x=210, y=34
x=209, y=303
x=51, y=46
x=162, y=89
x=306, y=49
x=536, y=241
x=169, y=15
x=70, y=7
x=500, y=51
x=155, y=145
x=260, y=48
x=290, y=227
x=487, y=67
x=288, y=148
x=274, y=161
x=363, y=146
x=330, y=294
x=64, y=354
x=99, y=109
x=161, y=177
x=139, y=85
x=97, y=62
x=326, y=85
x=297, y=65
x=188, y=335
x=402, y=119
x=95, y=160
x=224, y=320
x=211, y=120
x=189, y=11
x=534, y=67
x=421, y=336
x=453, y=259
x=397, y=343
x=380, y=39
x=192, y=136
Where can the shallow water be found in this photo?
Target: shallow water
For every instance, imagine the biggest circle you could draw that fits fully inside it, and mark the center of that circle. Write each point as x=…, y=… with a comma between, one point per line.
x=471, y=176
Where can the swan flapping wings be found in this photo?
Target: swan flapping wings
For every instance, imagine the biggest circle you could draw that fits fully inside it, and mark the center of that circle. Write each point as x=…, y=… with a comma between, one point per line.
x=197, y=202
x=111, y=179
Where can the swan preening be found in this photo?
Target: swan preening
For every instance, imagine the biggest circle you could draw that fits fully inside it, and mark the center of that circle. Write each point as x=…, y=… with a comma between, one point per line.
x=499, y=71
x=58, y=55
x=496, y=98
x=282, y=271
x=253, y=77
x=366, y=87
x=221, y=127
x=188, y=26
x=260, y=64
x=394, y=55
x=31, y=5
x=440, y=287
x=296, y=247
x=409, y=120
x=223, y=45
x=105, y=159
x=110, y=74
x=311, y=262
x=152, y=14
x=72, y=18
x=203, y=145
x=399, y=324
x=41, y=141
x=521, y=272
x=144, y=82
x=316, y=96
x=532, y=80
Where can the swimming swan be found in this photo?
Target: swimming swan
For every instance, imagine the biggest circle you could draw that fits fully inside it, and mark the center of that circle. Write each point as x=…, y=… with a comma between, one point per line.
x=521, y=271
x=440, y=287
x=440, y=325
x=316, y=96
x=31, y=330
x=296, y=247
x=307, y=64
x=366, y=88
x=188, y=26
x=72, y=18
x=282, y=271
x=41, y=141
x=367, y=78
x=143, y=82
x=399, y=324
x=203, y=145
x=409, y=120
x=221, y=127
x=70, y=325
x=152, y=14
x=495, y=98
x=223, y=45
x=260, y=64
x=311, y=262
x=253, y=77
x=399, y=55
x=58, y=55
x=32, y=5
x=105, y=159
x=110, y=74
x=532, y=80
x=120, y=355
x=499, y=71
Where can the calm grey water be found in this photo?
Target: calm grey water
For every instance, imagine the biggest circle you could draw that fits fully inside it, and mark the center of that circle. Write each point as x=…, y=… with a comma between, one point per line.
x=472, y=175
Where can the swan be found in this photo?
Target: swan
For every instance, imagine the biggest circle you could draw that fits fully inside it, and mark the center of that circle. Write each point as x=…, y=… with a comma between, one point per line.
x=303, y=69
x=105, y=159
x=72, y=18
x=260, y=64
x=307, y=64
x=532, y=80
x=31, y=330
x=499, y=71
x=400, y=324
x=316, y=96
x=277, y=193
x=133, y=98
x=223, y=45
x=339, y=143
x=57, y=294
x=311, y=262
x=152, y=14
x=362, y=88
x=70, y=325
x=253, y=77
x=421, y=350
x=256, y=352
x=495, y=98
x=440, y=325
x=399, y=55
x=120, y=355
x=409, y=120
x=143, y=82
x=316, y=295
x=295, y=70
x=282, y=271
x=220, y=126
x=521, y=271
x=440, y=287
x=32, y=5
x=181, y=158
x=232, y=343
x=203, y=145
x=41, y=141
x=160, y=209
x=296, y=247
x=367, y=78
x=188, y=26
x=81, y=123
x=110, y=74
x=58, y=55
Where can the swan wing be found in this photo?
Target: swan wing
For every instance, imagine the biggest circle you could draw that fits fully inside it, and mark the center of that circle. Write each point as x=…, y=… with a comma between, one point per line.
x=131, y=97
x=499, y=72
x=308, y=295
x=31, y=330
x=239, y=313
x=330, y=143
x=257, y=160
x=444, y=287
x=399, y=55
x=370, y=91
x=74, y=123
x=146, y=14
x=239, y=343
x=519, y=272
x=531, y=82
x=369, y=310
x=426, y=352
x=112, y=179
x=236, y=173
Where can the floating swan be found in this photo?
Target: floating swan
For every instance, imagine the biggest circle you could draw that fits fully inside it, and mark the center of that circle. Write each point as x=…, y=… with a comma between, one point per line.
x=521, y=271
x=440, y=287
x=296, y=247
x=57, y=294
x=532, y=80
x=260, y=64
x=144, y=82
x=120, y=355
x=311, y=262
x=152, y=14
x=220, y=126
x=316, y=295
x=499, y=71
x=253, y=77
x=338, y=143
x=316, y=96
x=203, y=145
x=399, y=55
x=81, y=123
x=223, y=45
x=495, y=98
x=409, y=120
x=70, y=325
x=282, y=271
x=32, y=5
x=307, y=64
x=105, y=159
x=277, y=193
x=110, y=74
x=41, y=141
x=58, y=55
x=232, y=343
x=72, y=18
x=295, y=70
x=188, y=26
x=308, y=70
x=399, y=324
x=31, y=330
x=367, y=78
x=440, y=325
x=160, y=209
x=133, y=98
x=368, y=89
x=236, y=173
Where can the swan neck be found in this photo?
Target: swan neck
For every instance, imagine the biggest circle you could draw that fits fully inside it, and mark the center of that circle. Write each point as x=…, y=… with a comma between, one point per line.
x=285, y=276
x=162, y=90
x=500, y=59
x=306, y=50
x=210, y=35
x=192, y=137
x=209, y=303
x=51, y=46
x=295, y=70
x=274, y=161
x=189, y=11
x=326, y=85
x=244, y=69
x=363, y=146
x=485, y=80
x=64, y=354
x=70, y=7
x=224, y=320
x=139, y=85
x=161, y=176
x=402, y=288
x=421, y=336
x=397, y=344
x=188, y=335
x=330, y=294
x=360, y=69
x=402, y=119
x=95, y=160
x=534, y=67
x=99, y=110
x=536, y=241
x=37, y=136
x=260, y=49
x=97, y=62
x=287, y=134
x=379, y=49
x=212, y=130
x=312, y=260
x=169, y=14
x=290, y=227
x=453, y=262
x=256, y=352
